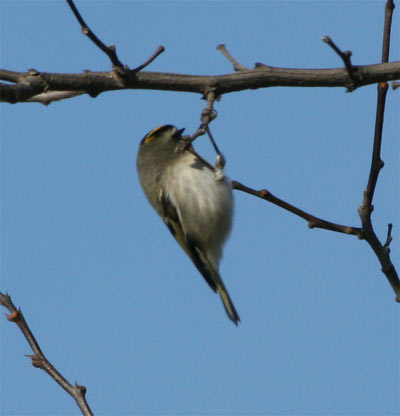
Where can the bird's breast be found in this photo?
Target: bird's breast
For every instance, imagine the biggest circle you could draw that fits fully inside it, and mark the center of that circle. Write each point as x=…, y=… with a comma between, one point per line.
x=204, y=202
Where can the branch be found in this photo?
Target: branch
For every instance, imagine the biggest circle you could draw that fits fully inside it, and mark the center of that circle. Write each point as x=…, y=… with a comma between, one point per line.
x=366, y=232
x=313, y=222
x=366, y=207
x=38, y=358
x=27, y=84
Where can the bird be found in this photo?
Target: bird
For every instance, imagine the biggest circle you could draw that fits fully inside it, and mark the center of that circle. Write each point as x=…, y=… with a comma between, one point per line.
x=193, y=198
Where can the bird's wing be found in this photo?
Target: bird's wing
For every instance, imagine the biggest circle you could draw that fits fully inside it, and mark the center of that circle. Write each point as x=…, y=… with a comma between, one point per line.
x=171, y=218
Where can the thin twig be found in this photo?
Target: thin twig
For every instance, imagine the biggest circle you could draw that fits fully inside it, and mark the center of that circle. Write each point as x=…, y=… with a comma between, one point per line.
x=236, y=65
x=110, y=51
x=366, y=207
x=207, y=116
x=213, y=142
x=389, y=8
x=38, y=358
x=376, y=162
x=159, y=51
x=313, y=222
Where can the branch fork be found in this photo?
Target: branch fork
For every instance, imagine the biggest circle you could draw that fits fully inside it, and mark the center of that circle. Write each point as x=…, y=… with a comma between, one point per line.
x=346, y=57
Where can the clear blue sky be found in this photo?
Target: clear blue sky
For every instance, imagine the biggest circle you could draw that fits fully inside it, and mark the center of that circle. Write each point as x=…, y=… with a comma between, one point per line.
x=112, y=299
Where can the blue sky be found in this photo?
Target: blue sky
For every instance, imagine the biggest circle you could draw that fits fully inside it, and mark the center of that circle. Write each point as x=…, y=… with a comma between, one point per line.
x=112, y=299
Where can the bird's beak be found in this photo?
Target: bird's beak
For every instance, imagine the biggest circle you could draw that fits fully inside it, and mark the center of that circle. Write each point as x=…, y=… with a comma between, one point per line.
x=181, y=131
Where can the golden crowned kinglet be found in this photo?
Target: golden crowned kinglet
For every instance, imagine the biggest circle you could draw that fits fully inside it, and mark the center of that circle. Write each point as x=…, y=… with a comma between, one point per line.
x=193, y=198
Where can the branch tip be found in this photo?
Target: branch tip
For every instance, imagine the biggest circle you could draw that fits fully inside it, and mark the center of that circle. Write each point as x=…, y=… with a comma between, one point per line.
x=158, y=52
x=236, y=65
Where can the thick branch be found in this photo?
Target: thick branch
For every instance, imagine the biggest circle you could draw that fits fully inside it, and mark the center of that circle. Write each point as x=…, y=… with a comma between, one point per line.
x=93, y=83
x=38, y=358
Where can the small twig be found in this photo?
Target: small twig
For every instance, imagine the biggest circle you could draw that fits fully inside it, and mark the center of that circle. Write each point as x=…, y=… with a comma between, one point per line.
x=346, y=57
x=199, y=132
x=389, y=7
x=313, y=222
x=236, y=65
x=110, y=51
x=186, y=142
x=38, y=358
x=159, y=51
x=376, y=162
x=210, y=136
x=207, y=115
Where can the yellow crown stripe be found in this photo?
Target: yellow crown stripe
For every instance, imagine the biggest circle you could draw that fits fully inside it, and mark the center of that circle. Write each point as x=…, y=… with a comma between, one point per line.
x=154, y=132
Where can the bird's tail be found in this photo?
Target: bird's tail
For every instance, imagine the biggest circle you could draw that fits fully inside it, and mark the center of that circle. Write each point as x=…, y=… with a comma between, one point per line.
x=227, y=302
x=212, y=277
